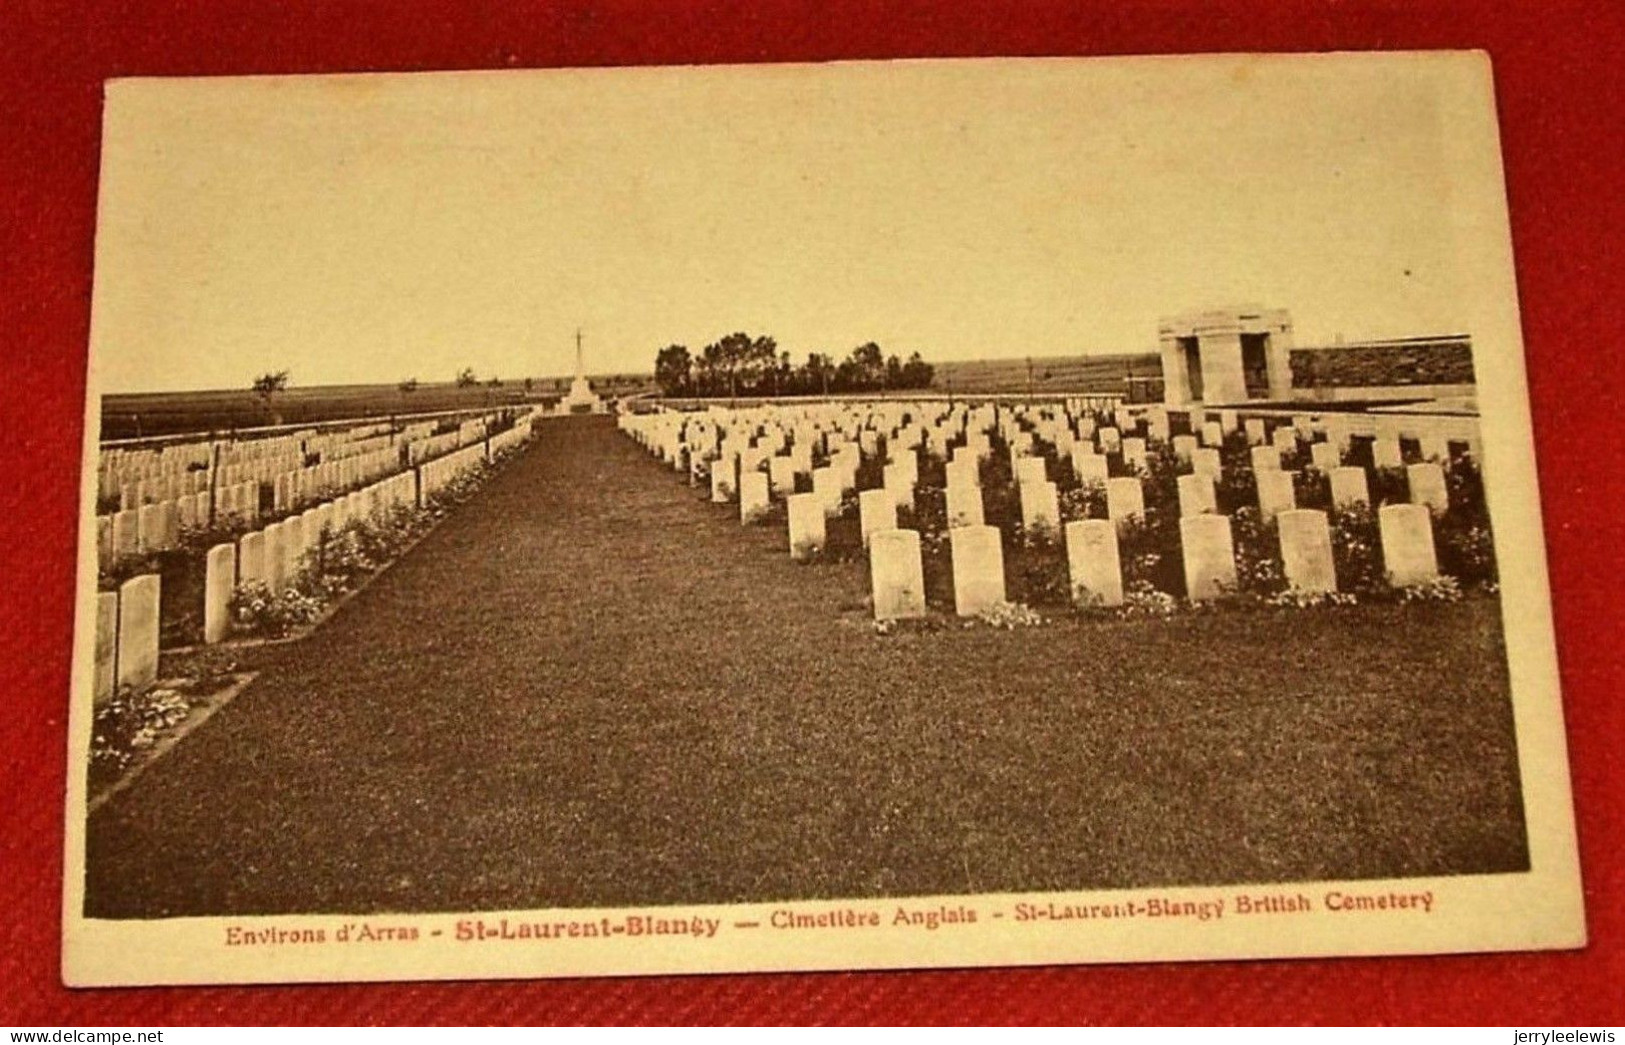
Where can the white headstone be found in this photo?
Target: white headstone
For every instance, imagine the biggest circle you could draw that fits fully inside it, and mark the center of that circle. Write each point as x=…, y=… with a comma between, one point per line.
x=876, y=511
x=753, y=497
x=900, y=484
x=1040, y=507
x=1089, y=466
x=1030, y=470
x=1306, y=550
x=1275, y=492
x=1134, y=453
x=781, y=476
x=1427, y=486
x=1197, y=494
x=1206, y=461
x=896, y=578
x=964, y=505
x=1125, y=499
x=827, y=487
x=978, y=557
x=138, y=600
x=251, y=558
x=1209, y=556
x=1349, y=487
x=806, y=516
x=1093, y=562
x=963, y=472
x=723, y=481
x=1407, y=544
x=103, y=681
x=219, y=581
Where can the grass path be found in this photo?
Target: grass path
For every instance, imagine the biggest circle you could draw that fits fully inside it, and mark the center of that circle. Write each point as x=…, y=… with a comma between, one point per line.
x=590, y=687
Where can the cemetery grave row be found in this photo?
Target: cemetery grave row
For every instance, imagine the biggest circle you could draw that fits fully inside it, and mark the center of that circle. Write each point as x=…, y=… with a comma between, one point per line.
x=214, y=485
x=1090, y=503
x=186, y=592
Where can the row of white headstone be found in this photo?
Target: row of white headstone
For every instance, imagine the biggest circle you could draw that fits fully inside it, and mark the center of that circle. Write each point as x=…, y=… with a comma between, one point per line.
x=1207, y=545
x=128, y=619
x=157, y=527
x=124, y=469
x=273, y=556
x=1207, y=550
x=141, y=477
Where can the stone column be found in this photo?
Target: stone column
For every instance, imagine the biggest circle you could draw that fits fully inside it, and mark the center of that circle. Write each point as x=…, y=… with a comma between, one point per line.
x=1176, y=382
x=1278, y=357
x=1223, y=379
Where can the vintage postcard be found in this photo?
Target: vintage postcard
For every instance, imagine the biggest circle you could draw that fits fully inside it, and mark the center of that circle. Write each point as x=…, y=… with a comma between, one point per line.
x=845, y=516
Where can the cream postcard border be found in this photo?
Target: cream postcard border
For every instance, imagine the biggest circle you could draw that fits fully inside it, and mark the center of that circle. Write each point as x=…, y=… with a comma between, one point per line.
x=1541, y=909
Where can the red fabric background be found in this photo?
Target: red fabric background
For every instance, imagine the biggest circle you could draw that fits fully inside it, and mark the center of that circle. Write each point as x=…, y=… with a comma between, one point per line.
x=1558, y=72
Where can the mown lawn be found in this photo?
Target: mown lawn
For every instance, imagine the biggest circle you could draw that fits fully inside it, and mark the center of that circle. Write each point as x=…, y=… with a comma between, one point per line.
x=589, y=687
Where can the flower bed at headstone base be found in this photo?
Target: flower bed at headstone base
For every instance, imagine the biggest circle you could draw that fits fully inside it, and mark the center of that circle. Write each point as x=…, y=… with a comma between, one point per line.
x=128, y=729
x=343, y=560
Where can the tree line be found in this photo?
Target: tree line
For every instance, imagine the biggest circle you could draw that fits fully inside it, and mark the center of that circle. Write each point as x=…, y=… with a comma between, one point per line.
x=741, y=365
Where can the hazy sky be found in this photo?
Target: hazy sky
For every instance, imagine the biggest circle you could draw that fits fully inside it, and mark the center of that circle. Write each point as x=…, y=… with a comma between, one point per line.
x=372, y=228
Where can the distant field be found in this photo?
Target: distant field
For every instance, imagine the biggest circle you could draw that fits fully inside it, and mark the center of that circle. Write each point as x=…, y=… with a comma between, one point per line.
x=1097, y=374
x=171, y=413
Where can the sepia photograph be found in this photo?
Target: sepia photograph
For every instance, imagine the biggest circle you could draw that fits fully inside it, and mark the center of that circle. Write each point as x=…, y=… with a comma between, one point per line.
x=819, y=516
